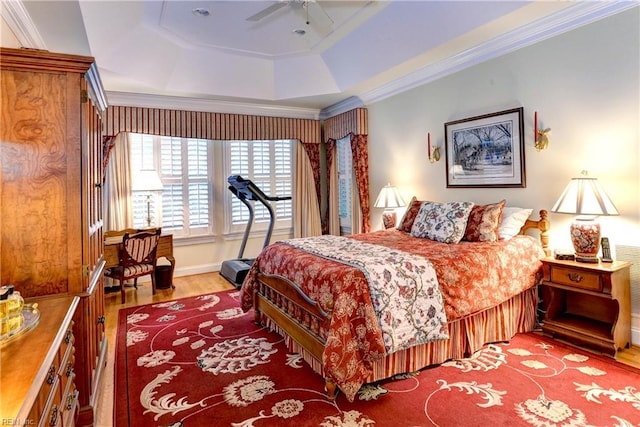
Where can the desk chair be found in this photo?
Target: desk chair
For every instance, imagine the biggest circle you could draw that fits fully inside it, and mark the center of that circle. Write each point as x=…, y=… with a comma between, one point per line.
x=137, y=258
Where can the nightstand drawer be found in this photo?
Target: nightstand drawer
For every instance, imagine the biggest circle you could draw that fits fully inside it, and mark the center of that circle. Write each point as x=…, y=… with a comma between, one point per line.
x=576, y=278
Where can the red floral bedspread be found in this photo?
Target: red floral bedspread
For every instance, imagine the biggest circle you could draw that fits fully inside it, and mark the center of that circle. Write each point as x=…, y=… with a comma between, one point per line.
x=472, y=277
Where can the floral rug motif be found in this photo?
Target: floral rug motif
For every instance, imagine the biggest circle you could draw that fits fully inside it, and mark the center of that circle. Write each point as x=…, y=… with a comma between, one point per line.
x=201, y=361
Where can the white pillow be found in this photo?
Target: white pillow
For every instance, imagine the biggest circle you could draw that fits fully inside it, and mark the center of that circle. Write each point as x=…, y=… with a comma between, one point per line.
x=512, y=221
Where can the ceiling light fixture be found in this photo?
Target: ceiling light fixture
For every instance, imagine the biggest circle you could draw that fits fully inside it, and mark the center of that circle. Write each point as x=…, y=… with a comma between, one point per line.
x=299, y=32
x=200, y=11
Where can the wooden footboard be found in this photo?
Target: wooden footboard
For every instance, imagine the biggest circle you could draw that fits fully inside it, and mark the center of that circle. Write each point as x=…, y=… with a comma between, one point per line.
x=301, y=318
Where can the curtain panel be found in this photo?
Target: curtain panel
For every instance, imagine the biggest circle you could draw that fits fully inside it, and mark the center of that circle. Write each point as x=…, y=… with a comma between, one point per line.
x=355, y=124
x=306, y=206
x=118, y=206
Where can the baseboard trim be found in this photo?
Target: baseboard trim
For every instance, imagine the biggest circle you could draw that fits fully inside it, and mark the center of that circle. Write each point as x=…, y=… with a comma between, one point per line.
x=196, y=269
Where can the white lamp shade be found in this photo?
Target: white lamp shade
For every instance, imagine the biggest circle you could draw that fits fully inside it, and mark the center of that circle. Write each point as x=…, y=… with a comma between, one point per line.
x=584, y=196
x=147, y=180
x=388, y=198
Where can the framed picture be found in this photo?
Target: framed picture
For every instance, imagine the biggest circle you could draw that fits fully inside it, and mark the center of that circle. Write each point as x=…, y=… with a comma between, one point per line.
x=486, y=151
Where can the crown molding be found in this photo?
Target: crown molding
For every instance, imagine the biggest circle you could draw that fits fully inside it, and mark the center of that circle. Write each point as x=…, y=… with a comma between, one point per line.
x=128, y=99
x=348, y=104
x=96, y=88
x=20, y=23
x=575, y=16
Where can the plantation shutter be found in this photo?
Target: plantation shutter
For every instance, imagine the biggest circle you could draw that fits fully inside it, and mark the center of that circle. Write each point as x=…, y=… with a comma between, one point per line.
x=269, y=164
x=171, y=175
x=239, y=165
x=198, y=185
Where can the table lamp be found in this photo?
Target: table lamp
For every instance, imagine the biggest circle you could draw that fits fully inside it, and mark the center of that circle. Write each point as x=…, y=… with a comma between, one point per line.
x=389, y=199
x=585, y=197
x=149, y=181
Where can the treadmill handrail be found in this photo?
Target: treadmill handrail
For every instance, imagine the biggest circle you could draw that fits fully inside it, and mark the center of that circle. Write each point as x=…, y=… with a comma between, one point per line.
x=241, y=185
x=245, y=189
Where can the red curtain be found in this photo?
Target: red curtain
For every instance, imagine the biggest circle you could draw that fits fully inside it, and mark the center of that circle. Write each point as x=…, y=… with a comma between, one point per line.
x=360, y=155
x=360, y=159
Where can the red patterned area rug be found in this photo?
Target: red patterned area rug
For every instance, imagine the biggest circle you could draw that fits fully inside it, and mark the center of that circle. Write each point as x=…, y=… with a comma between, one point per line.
x=202, y=362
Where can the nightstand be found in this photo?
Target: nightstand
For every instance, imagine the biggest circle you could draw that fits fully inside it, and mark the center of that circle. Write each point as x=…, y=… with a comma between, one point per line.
x=587, y=304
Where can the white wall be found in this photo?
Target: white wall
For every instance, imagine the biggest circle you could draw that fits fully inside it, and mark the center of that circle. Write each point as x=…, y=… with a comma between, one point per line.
x=7, y=38
x=585, y=86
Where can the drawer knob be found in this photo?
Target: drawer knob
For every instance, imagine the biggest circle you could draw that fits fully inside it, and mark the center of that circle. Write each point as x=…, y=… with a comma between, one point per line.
x=575, y=277
x=53, y=421
x=52, y=375
x=71, y=399
x=68, y=336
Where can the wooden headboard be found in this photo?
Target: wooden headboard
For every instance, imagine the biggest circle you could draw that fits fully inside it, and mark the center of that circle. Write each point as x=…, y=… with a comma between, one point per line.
x=542, y=225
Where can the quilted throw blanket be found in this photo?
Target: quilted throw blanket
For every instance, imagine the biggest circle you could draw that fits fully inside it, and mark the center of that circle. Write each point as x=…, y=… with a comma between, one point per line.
x=403, y=287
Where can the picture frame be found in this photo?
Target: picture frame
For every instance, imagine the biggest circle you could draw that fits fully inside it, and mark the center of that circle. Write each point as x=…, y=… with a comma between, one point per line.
x=486, y=151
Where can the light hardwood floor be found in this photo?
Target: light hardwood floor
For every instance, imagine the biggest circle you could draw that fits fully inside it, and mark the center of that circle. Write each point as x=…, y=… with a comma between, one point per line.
x=185, y=287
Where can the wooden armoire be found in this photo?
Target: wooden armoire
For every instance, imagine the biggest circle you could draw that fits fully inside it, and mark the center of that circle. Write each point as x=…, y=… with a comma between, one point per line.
x=51, y=190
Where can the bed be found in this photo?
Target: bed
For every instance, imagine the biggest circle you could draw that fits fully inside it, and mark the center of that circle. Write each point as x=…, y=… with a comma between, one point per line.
x=323, y=307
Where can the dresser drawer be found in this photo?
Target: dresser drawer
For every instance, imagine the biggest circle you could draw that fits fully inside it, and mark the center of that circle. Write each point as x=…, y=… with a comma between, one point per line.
x=67, y=374
x=69, y=404
x=52, y=413
x=47, y=389
x=67, y=342
x=576, y=278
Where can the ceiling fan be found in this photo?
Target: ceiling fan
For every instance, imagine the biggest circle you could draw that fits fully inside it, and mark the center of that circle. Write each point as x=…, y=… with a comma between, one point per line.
x=314, y=12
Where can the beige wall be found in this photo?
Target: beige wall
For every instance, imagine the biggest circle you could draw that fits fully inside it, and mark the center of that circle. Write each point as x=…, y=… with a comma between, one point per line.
x=585, y=86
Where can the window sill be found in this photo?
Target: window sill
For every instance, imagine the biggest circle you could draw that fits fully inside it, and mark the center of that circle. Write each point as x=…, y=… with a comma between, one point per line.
x=283, y=233
x=193, y=240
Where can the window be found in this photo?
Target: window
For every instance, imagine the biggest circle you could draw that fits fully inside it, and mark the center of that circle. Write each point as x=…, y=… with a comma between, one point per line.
x=269, y=164
x=185, y=167
x=345, y=184
x=193, y=170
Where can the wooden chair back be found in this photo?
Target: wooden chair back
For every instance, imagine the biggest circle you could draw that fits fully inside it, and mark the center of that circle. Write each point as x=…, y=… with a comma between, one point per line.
x=139, y=249
x=137, y=257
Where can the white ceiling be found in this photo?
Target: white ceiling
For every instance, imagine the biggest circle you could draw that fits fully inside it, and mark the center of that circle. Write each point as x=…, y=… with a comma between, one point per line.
x=352, y=52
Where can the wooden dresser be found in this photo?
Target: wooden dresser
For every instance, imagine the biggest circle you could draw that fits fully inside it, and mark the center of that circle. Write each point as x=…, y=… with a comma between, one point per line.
x=51, y=184
x=37, y=379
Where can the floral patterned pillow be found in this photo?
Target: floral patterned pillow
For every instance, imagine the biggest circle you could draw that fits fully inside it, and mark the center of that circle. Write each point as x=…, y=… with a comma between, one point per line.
x=484, y=222
x=442, y=222
x=410, y=215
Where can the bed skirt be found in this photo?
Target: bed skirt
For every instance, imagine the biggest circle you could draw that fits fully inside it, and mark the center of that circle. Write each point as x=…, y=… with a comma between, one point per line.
x=466, y=336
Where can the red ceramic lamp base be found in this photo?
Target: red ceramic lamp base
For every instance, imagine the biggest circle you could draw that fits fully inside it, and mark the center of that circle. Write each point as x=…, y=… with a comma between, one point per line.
x=585, y=235
x=389, y=219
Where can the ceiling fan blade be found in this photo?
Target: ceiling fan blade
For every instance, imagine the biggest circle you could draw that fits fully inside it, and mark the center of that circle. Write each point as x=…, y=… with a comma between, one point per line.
x=268, y=11
x=317, y=15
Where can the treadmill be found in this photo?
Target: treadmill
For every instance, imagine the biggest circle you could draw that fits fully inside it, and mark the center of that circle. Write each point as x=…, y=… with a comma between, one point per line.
x=235, y=270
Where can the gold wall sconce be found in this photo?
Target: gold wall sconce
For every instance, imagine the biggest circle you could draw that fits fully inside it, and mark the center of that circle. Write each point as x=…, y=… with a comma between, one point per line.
x=540, y=138
x=433, y=153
